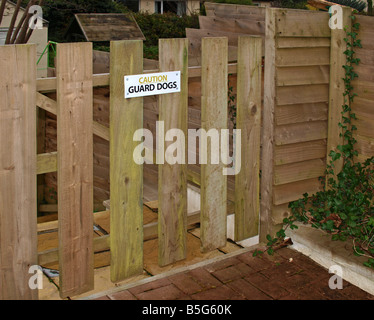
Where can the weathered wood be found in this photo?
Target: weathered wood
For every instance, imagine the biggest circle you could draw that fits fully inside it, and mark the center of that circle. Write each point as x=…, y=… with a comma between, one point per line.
x=18, y=194
x=292, y=42
x=268, y=124
x=232, y=25
x=75, y=167
x=223, y=9
x=172, y=178
x=46, y=162
x=312, y=93
x=301, y=23
x=295, y=113
x=299, y=171
x=296, y=152
x=314, y=56
x=214, y=115
x=300, y=132
x=336, y=89
x=248, y=120
x=126, y=177
x=303, y=75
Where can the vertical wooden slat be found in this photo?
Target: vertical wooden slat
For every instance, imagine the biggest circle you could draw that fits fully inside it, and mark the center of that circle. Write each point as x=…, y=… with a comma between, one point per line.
x=337, y=88
x=126, y=177
x=75, y=167
x=18, y=242
x=247, y=181
x=172, y=183
x=267, y=162
x=214, y=86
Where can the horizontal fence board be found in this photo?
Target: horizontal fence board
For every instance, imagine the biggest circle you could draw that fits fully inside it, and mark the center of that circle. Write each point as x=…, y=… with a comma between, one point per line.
x=228, y=9
x=297, y=152
x=295, y=113
x=299, y=171
x=302, y=94
x=232, y=25
x=295, y=190
x=365, y=126
x=364, y=89
x=363, y=108
x=300, y=23
x=366, y=56
x=365, y=145
x=365, y=72
x=300, y=132
x=292, y=42
x=289, y=76
x=303, y=56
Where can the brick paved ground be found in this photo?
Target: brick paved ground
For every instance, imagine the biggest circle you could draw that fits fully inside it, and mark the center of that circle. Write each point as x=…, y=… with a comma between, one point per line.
x=288, y=275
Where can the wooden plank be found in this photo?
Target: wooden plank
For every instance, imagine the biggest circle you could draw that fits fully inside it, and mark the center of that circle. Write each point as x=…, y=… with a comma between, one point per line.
x=293, y=76
x=46, y=162
x=268, y=127
x=363, y=108
x=172, y=178
x=75, y=167
x=337, y=88
x=302, y=94
x=365, y=72
x=314, y=56
x=299, y=171
x=292, y=42
x=232, y=25
x=248, y=120
x=18, y=194
x=302, y=23
x=126, y=177
x=214, y=115
x=286, y=193
x=296, y=113
x=296, y=152
x=228, y=9
x=300, y=132
x=364, y=89
x=365, y=145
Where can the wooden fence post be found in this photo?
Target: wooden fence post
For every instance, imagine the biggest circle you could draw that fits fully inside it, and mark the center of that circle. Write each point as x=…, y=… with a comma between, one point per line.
x=126, y=177
x=247, y=181
x=214, y=115
x=267, y=162
x=18, y=231
x=172, y=178
x=75, y=167
x=337, y=88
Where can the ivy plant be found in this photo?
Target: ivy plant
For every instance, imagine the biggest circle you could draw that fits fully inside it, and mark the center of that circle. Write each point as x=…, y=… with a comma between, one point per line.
x=345, y=207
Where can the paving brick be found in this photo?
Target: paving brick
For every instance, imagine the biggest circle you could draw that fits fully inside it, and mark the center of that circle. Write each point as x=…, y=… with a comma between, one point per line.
x=309, y=265
x=234, y=272
x=256, y=263
x=281, y=271
x=323, y=288
x=288, y=253
x=170, y=292
x=123, y=295
x=204, y=278
x=185, y=283
x=298, y=281
x=220, y=293
x=354, y=293
x=270, y=287
x=102, y=298
x=222, y=264
x=150, y=286
x=247, y=290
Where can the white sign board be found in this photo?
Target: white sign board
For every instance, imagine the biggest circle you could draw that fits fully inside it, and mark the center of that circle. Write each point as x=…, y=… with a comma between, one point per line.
x=142, y=85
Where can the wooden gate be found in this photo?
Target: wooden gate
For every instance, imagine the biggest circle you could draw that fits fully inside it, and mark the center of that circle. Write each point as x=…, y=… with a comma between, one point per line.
x=20, y=164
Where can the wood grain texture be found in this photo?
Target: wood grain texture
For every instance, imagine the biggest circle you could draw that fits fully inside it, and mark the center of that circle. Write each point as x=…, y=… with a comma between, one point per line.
x=337, y=88
x=75, y=167
x=172, y=178
x=268, y=124
x=214, y=115
x=126, y=177
x=247, y=181
x=18, y=242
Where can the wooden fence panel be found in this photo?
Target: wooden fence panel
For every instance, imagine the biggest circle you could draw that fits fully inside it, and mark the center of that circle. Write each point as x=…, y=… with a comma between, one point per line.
x=75, y=167
x=213, y=116
x=247, y=181
x=18, y=243
x=126, y=177
x=172, y=178
x=296, y=98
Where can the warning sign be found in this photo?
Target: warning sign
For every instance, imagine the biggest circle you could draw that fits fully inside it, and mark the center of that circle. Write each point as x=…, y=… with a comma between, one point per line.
x=152, y=84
